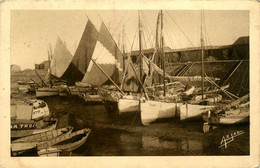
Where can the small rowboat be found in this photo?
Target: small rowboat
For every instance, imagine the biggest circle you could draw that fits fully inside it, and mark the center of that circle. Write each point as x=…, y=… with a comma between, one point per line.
x=45, y=136
x=21, y=145
x=67, y=142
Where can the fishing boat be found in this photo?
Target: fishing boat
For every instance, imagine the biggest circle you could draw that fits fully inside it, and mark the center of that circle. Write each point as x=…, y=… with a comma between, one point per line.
x=29, y=110
x=77, y=69
x=21, y=145
x=201, y=102
x=63, y=90
x=193, y=111
x=152, y=111
x=106, y=65
x=22, y=128
x=236, y=112
x=68, y=142
x=59, y=61
x=44, y=136
x=128, y=104
x=237, y=115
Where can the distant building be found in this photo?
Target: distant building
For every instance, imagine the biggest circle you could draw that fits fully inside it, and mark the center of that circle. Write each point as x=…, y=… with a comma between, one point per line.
x=239, y=50
x=44, y=65
x=15, y=68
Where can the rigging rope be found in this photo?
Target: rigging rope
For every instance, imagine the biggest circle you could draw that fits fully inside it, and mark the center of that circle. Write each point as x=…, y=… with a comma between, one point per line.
x=179, y=28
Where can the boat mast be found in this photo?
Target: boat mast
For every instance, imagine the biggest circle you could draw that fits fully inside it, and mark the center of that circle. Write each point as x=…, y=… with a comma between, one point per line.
x=163, y=56
x=202, y=56
x=140, y=50
x=50, y=58
x=123, y=47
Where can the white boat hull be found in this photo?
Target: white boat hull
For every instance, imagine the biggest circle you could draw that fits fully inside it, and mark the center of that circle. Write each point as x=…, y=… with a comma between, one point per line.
x=190, y=111
x=154, y=110
x=128, y=106
x=45, y=92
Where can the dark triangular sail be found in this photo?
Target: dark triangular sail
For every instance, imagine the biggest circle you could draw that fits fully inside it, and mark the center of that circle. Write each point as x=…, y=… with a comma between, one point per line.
x=108, y=56
x=80, y=62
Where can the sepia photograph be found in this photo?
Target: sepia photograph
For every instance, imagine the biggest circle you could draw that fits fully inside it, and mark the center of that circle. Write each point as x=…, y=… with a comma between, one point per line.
x=130, y=82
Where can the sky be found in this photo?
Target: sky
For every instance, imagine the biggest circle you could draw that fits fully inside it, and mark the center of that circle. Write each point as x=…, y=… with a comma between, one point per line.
x=33, y=31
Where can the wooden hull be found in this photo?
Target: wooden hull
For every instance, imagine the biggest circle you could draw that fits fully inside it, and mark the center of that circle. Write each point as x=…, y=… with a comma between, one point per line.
x=40, y=113
x=190, y=111
x=128, y=106
x=155, y=110
x=110, y=99
x=63, y=91
x=17, y=149
x=27, y=143
x=46, y=91
x=27, y=132
x=68, y=146
x=95, y=98
x=45, y=136
x=209, y=98
x=33, y=109
x=73, y=91
x=233, y=116
x=49, y=152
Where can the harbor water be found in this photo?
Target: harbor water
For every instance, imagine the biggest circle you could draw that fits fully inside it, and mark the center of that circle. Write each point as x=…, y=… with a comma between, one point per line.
x=113, y=135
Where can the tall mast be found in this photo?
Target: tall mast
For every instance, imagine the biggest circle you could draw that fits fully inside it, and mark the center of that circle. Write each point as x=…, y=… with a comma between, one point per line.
x=202, y=56
x=140, y=49
x=163, y=56
x=50, y=58
x=123, y=48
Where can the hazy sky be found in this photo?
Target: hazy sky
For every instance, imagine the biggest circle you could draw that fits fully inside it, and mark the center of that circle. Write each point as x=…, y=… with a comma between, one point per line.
x=33, y=30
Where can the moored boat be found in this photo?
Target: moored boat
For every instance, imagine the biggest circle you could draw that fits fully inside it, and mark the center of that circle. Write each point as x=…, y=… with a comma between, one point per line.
x=22, y=128
x=63, y=91
x=23, y=144
x=128, y=104
x=92, y=97
x=152, y=111
x=44, y=136
x=29, y=110
x=236, y=115
x=68, y=142
x=192, y=111
x=47, y=91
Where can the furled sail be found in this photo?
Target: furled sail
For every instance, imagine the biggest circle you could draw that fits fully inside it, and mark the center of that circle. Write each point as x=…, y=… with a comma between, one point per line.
x=80, y=62
x=61, y=59
x=131, y=83
x=108, y=56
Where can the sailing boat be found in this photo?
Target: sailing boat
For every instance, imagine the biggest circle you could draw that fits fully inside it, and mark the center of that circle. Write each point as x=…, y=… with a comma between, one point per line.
x=195, y=109
x=106, y=70
x=77, y=68
x=59, y=62
x=134, y=81
x=152, y=110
